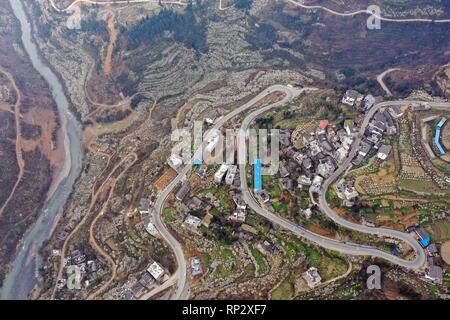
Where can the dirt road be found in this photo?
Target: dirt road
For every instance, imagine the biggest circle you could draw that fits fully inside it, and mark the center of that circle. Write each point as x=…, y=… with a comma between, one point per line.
x=107, y=66
x=19, y=156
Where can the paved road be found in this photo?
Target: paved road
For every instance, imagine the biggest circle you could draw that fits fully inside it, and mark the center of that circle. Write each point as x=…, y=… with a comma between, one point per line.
x=182, y=291
x=420, y=255
x=354, y=13
x=343, y=247
x=342, y=14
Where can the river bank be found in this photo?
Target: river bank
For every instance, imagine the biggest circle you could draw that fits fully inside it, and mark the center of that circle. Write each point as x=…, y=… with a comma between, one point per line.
x=22, y=276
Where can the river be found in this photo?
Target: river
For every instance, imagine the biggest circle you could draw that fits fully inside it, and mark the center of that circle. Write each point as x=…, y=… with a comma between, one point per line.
x=22, y=276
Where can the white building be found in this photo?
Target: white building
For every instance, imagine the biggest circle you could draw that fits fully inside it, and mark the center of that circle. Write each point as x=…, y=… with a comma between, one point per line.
x=384, y=151
x=218, y=176
x=325, y=169
x=231, y=173
x=304, y=180
x=307, y=213
x=350, y=193
x=352, y=97
x=341, y=154
x=237, y=216
x=150, y=228
x=345, y=190
x=312, y=277
x=316, y=184
x=192, y=222
x=212, y=143
x=240, y=203
x=144, y=205
x=369, y=101
x=175, y=161
x=156, y=271
x=196, y=266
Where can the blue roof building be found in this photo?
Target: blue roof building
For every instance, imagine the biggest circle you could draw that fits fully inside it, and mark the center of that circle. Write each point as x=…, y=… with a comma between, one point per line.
x=437, y=136
x=425, y=241
x=257, y=180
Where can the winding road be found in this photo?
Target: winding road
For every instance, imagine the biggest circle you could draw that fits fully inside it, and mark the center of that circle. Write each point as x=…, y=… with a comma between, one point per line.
x=420, y=255
x=344, y=247
x=368, y=12
x=182, y=288
x=310, y=7
x=92, y=241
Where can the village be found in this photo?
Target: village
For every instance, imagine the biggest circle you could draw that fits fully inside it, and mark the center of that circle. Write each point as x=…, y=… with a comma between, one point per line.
x=212, y=205
x=207, y=209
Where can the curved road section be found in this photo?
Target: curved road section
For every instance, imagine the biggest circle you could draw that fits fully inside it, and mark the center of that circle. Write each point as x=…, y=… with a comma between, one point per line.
x=182, y=291
x=343, y=247
x=354, y=13
x=420, y=255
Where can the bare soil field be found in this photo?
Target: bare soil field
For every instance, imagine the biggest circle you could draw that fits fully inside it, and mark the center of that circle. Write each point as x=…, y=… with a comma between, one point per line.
x=107, y=67
x=165, y=179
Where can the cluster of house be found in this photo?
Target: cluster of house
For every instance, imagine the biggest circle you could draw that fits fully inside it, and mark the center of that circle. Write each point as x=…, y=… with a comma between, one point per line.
x=225, y=174
x=175, y=160
x=434, y=272
x=381, y=123
x=136, y=288
x=144, y=208
x=323, y=151
x=353, y=98
x=85, y=271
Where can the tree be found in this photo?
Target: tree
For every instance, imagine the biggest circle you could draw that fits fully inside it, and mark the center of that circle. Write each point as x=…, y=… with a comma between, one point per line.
x=243, y=4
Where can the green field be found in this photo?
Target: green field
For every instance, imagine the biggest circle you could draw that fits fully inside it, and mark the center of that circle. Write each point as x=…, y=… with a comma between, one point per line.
x=168, y=215
x=440, y=230
x=285, y=291
x=259, y=259
x=419, y=186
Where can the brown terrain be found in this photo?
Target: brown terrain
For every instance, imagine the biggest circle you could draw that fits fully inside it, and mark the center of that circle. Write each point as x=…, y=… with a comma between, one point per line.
x=110, y=88
x=386, y=5
x=28, y=139
x=112, y=39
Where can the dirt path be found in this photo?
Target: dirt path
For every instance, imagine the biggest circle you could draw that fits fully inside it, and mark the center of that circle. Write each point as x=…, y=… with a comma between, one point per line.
x=380, y=78
x=19, y=156
x=92, y=239
x=342, y=276
x=6, y=107
x=94, y=196
x=398, y=198
x=107, y=66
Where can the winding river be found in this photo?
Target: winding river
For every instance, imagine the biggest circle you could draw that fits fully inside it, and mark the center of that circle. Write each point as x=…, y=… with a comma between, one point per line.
x=22, y=276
